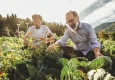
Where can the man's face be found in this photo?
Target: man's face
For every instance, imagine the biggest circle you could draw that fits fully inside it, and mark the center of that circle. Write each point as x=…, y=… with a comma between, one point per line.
x=71, y=20
x=37, y=23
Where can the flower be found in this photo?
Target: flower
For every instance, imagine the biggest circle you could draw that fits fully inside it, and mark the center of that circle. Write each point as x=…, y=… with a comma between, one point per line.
x=29, y=33
x=42, y=38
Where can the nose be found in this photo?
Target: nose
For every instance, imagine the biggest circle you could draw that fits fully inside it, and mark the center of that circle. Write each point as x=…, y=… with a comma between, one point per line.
x=69, y=23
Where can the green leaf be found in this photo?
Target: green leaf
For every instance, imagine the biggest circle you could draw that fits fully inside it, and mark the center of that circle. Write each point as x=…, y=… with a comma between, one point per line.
x=1, y=60
x=77, y=75
x=55, y=73
x=83, y=63
x=34, y=73
x=73, y=63
x=96, y=63
x=63, y=62
x=112, y=48
x=49, y=77
x=64, y=73
x=100, y=62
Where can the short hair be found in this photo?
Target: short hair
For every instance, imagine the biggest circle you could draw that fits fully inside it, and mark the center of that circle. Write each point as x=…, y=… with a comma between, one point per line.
x=73, y=12
x=37, y=16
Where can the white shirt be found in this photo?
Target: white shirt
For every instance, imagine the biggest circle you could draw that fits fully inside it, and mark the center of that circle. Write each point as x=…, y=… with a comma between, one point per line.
x=37, y=34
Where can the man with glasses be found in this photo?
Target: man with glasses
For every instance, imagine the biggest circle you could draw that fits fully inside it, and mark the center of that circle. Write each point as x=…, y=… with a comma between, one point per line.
x=82, y=35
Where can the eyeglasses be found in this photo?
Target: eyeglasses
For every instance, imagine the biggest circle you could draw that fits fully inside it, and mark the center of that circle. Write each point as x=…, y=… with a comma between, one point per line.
x=70, y=21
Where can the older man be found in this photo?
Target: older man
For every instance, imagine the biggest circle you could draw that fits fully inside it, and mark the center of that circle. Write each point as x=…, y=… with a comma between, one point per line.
x=82, y=35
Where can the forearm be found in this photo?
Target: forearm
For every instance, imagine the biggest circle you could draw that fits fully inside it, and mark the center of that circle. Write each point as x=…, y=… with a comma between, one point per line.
x=96, y=50
x=26, y=41
x=51, y=38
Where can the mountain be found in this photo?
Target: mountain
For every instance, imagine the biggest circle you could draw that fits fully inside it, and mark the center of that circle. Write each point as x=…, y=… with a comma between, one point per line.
x=108, y=27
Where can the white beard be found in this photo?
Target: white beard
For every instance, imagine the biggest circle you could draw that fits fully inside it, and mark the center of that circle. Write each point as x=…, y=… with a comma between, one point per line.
x=74, y=29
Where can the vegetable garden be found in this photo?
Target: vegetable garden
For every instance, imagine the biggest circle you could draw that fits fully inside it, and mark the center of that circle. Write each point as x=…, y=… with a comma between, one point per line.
x=17, y=63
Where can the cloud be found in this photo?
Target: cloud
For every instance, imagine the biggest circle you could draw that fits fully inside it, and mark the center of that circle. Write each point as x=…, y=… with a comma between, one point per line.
x=80, y=5
x=91, y=8
x=51, y=10
x=101, y=14
x=108, y=18
x=104, y=20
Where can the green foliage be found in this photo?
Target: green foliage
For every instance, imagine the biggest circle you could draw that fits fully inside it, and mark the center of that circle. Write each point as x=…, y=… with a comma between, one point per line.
x=70, y=70
x=102, y=34
x=34, y=75
x=64, y=62
x=42, y=65
x=112, y=49
x=108, y=47
x=12, y=20
x=110, y=28
x=101, y=62
x=102, y=26
x=0, y=16
x=70, y=43
x=106, y=30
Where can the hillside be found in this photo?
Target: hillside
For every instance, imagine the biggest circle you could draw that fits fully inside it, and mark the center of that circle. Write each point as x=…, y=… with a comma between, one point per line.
x=109, y=26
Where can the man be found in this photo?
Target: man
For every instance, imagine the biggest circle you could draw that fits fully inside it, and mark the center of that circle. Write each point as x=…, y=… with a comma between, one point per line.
x=38, y=32
x=5, y=32
x=82, y=35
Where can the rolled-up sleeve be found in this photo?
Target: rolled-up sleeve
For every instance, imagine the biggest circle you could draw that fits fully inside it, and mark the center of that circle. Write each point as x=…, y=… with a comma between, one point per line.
x=93, y=38
x=64, y=39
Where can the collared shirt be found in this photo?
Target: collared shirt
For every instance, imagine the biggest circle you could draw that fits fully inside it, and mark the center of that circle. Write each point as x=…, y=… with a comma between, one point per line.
x=84, y=38
x=76, y=27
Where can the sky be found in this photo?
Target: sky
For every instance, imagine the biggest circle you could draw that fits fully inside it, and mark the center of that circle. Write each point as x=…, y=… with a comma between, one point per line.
x=93, y=12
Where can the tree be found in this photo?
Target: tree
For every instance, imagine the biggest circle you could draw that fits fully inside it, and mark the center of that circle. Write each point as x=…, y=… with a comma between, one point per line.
x=0, y=16
x=103, y=34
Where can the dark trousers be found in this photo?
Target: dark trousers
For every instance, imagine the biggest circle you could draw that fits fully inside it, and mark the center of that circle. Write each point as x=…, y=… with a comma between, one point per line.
x=90, y=55
x=69, y=50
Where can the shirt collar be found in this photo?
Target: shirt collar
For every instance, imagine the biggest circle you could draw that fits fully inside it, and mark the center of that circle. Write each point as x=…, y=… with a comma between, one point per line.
x=80, y=25
x=76, y=28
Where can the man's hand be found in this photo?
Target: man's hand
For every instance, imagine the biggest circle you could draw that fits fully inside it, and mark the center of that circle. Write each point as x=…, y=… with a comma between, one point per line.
x=26, y=41
x=98, y=54
x=53, y=48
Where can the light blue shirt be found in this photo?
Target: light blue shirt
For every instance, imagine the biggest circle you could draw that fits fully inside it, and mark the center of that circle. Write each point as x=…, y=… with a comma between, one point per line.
x=84, y=38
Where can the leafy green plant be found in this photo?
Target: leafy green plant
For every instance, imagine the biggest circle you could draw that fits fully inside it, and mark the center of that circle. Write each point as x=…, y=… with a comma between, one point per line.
x=101, y=62
x=70, y=70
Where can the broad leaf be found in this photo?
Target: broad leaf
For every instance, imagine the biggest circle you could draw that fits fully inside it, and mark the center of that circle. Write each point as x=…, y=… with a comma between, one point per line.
x=63, y=62
x=73, y=63
x=33, y=73
x=100, y=62
x=64, y=73
x=77, y=74
x=83, y=63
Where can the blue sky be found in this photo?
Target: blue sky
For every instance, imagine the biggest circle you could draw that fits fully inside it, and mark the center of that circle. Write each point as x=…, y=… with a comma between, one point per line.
x=94, y=12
